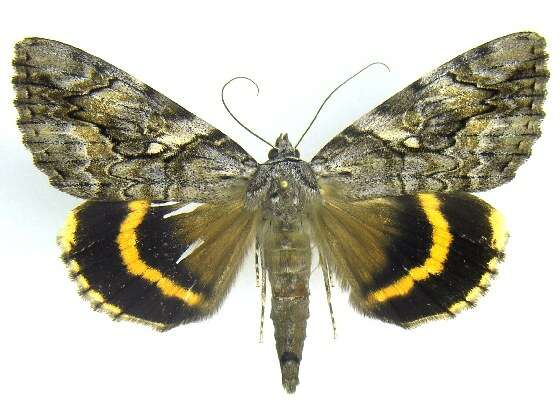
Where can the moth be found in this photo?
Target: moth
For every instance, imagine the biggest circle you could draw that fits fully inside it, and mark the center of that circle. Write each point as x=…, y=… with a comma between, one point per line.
x=386, y=202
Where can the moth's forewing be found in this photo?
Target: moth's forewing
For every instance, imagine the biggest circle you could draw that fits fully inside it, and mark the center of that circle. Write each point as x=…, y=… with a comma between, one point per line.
x=155, y=264
x=99, y=133
x=466, y=126
x=411, y=258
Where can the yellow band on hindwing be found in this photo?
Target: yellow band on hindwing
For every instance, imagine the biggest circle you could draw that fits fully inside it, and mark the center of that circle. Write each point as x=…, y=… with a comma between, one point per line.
x=497, y=242
x=67, y=236
x=98, y=302
x=127, y=243
x=499, y=231
x=74, y=244
x=441, y=241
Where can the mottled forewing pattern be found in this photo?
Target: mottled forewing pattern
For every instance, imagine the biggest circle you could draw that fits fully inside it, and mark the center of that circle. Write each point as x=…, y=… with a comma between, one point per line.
x=100, y=134
x=467, y=126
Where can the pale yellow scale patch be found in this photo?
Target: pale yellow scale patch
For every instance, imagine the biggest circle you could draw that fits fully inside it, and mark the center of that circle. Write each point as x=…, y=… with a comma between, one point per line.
x=499, y=230
x=98, y=301
x=458, y=307
x=111, y=309
x=412, y=142
x=155, y=325
x=155, y=148
x=493, y=264
x=473, y=294
x=127, y=243
x=184, y=133
x=485, y=280
x=83, y=284
x=441, y=242
x=417, y=322
x=67, y=236
x=499, y=239
x=95, y=297
x=73, y=266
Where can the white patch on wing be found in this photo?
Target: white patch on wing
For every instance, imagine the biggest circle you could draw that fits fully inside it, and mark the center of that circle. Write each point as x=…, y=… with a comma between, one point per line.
x=187, y=208
x=190, y=250
x=185, y=132
x=166, y=203
x=155, y=148
x=412, y=142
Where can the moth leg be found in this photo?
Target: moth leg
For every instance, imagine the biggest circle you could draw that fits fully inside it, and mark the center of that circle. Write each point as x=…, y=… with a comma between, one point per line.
x=263, y=301
x=331, y=281
x=261, y=283
x=257, y=265
x=328, y=285
x=314, y=269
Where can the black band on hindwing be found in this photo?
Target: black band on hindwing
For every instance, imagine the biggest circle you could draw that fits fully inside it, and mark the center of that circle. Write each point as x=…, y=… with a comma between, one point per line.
x=104, y=277
x=469, y=262
x=409, y=248
x=161, y=246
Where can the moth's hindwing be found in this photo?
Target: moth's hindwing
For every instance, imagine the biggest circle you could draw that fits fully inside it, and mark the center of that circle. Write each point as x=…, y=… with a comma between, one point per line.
x=410, y=259
x=153, y=263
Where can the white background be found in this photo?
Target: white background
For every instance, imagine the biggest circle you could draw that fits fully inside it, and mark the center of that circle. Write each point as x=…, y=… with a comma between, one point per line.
x=61, y=360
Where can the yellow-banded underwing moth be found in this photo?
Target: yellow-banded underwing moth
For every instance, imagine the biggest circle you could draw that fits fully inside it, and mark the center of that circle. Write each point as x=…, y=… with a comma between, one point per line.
x=386, y=202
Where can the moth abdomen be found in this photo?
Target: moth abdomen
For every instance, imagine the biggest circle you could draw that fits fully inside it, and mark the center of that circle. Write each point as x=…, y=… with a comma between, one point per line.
x=287, y=260
x=289, y=316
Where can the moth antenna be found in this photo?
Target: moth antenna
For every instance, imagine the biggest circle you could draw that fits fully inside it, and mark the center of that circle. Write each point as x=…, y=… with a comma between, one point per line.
x=233, y=116
x=331, y=94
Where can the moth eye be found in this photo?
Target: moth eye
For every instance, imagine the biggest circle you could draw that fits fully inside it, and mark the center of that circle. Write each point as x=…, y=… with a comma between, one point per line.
x=296, y=152
x=273, y=153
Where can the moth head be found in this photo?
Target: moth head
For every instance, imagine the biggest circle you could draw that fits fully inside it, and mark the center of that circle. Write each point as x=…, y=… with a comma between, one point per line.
x=284, y=185
x=283, y=148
